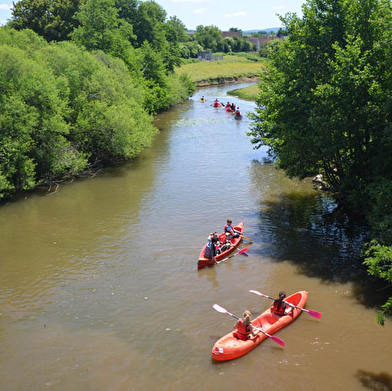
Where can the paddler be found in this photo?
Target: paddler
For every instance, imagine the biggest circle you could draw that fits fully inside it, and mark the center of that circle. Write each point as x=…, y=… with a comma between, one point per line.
x=211, y=251
x=244, y=327
x=228, y=228
x=279, y=306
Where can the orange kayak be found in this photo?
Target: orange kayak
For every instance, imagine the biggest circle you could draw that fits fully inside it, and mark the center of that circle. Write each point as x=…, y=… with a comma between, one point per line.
x=230, y=347
x=204, y=262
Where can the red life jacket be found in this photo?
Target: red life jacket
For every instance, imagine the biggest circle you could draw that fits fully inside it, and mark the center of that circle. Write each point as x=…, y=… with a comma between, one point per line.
x=278, y=308
x=243, y=330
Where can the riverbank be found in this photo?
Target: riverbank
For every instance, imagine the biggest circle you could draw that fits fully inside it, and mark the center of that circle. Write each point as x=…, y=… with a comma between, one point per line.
x=233, y=68
x=247, y=93
x=226, y=80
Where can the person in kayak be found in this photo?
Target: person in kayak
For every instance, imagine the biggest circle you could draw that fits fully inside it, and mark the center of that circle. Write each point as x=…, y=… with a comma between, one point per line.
x=225, y=246
x=278, y=306
x=243, y=327
x=238, y=112
x=230, y=229
x=202, y=99
x=211, y=249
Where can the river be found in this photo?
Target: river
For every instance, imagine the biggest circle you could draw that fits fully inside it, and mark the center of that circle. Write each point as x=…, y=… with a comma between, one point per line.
x=99, y=287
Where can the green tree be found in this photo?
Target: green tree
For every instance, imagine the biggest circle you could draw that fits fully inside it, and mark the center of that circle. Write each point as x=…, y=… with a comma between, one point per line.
x=209, y=37
x=322, y=105
x=33, y=139
x=179, y=27
x=149, y=25
x=52, y=19
x=100, y=28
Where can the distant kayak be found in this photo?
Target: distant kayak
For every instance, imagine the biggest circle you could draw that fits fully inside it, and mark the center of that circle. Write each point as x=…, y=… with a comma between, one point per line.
x=230, y=347
x=216, y=104
x=202, y=100
x=204, y=262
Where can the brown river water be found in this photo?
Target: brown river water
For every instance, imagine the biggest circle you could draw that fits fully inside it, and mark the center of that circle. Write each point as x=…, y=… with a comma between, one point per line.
x=99, y=287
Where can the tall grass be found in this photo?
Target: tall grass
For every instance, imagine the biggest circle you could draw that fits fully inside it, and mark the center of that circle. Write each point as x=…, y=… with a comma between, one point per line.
x=247, y=93
x=231, y=67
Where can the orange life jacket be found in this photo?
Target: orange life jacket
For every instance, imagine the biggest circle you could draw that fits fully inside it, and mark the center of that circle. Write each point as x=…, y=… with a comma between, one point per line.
x=243, y=330
x=278, y=308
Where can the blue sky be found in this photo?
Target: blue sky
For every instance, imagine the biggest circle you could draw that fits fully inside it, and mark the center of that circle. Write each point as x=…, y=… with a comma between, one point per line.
x=246, y=15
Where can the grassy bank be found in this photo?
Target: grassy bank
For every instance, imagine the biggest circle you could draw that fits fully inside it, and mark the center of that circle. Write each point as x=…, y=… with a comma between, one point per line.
x=231, y=68
x=247, y=93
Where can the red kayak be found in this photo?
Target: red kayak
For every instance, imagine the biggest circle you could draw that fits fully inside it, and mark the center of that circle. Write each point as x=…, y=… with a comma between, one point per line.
x=216, y=104
x=230, y=347
x=229, y=109
x=204, y=262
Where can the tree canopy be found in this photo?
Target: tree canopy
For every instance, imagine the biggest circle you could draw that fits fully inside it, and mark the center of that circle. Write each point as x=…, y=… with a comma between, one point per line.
x=324, y=105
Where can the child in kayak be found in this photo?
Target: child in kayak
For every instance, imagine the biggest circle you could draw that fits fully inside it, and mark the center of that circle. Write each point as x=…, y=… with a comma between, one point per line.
x=230, y=229
x=279, y=306
x=244, y=327
x=227, y=243
x=238, y=112
x=211, y=249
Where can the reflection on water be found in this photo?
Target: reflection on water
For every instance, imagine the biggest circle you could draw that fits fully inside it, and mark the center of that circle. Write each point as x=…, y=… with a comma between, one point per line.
x=99, y=287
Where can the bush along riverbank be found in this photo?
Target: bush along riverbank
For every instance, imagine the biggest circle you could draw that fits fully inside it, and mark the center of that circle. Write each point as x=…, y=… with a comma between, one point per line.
x=336, y=122
x=64, y=110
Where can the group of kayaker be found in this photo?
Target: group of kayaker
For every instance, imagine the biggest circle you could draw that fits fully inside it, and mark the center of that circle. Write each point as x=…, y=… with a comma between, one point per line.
x=214, y=246
x=244, y=328
x=231, y=107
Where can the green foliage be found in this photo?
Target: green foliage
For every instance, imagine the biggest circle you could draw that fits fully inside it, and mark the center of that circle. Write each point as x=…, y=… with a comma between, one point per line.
x=100, y=28
x=378, y=258
x=33, y=139
x=324, y=104
x=179, y=28
x=190, y=49
x=52, y=19
x=71, y=108
x=62, y=108
x=209, y=37
x=379, y=207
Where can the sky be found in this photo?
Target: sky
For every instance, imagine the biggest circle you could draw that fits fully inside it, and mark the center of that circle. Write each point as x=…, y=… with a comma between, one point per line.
x=247, y=15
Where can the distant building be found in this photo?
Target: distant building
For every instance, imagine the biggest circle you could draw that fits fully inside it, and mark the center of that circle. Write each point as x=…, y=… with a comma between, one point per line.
x=205, y=55
x=208, y=56
x=229, y=34
x=255, y=41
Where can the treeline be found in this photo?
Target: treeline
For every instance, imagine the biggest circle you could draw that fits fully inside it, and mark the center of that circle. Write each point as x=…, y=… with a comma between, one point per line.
x=325, y=107
x=211, y=38
x=79, y=90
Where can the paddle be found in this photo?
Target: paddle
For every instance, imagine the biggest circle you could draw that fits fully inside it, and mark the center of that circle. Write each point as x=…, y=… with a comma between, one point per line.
x=224, y=311
x=245, y=237
x=243, y=251
x=315, y=314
